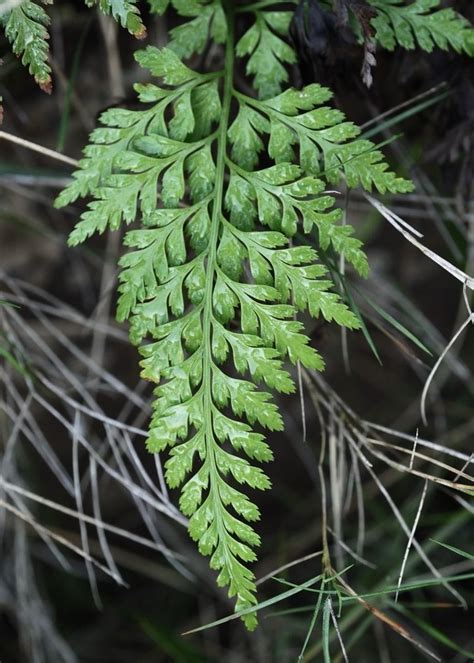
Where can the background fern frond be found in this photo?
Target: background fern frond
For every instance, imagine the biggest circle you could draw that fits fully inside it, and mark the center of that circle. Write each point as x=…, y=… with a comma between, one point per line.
x=265, y=43
x=421, y=23
x=125, y=12
x=269, y=49
x=26, y=29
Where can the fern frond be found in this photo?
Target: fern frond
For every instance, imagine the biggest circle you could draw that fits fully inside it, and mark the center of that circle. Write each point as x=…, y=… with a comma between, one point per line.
x=206, y=21
x=268, y=52
x=125, y=12
x=267, y=46
x=26, y=29
x=421, y=23
x=211, y=283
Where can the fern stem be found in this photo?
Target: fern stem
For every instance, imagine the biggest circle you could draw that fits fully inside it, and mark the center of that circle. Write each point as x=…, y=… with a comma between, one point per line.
x=216, y=220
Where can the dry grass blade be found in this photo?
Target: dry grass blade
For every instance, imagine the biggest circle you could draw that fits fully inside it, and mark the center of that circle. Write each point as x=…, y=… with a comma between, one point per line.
x=410, y=234
x=454, y=453
x=410, y=538
x=82, y=526
x=430, y=477
x=338, y=632
x=59, y=539
x=390, y=622
x=351, y=552
x=405, y=527
x=132, y=488
x=99, y=524
x=41, y=642
x=289, y=565
x=357, y=440
x=431, y=376
x=67, y=385
x=45, y=151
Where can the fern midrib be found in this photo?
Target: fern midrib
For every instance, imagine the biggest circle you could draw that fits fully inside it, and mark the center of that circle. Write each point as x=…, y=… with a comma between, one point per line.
x=217, y=211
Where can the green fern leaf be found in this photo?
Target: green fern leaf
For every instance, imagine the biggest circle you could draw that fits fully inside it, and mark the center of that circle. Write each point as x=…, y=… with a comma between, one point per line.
x=207, y=20
x=211, y=283
x=268, y=52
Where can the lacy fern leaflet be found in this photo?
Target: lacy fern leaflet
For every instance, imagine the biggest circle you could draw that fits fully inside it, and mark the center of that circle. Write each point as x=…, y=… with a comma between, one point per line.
x=212, y=279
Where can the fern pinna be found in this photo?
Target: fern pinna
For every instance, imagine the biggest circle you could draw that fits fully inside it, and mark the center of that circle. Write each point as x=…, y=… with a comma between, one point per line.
x=220, y=182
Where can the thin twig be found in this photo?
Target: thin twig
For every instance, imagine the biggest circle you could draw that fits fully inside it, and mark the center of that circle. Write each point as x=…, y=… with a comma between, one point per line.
x=412, y=459
x=410, y=539
x=34, y=147
x=294, y=562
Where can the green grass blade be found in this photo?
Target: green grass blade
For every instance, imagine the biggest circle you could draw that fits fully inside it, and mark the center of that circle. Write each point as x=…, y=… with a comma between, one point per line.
x=326, y=638
x=258, y=606
x=458, y=551
x=395, y=323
